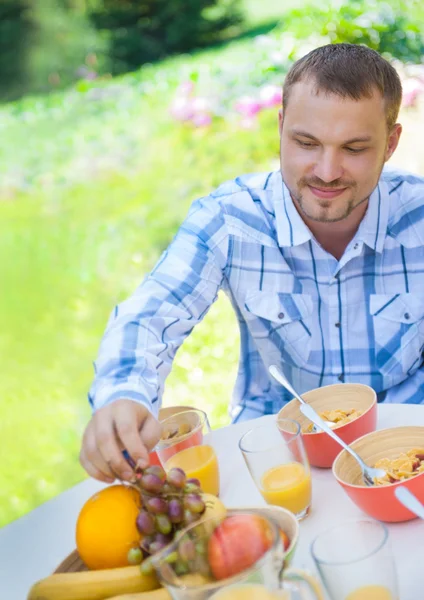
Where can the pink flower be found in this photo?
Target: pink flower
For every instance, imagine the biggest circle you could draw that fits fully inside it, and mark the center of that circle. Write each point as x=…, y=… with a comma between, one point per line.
x=182, y=109
x=202, y=119
x=412, y=88
x=248, y=106
x=186, y=88
x=271, y=95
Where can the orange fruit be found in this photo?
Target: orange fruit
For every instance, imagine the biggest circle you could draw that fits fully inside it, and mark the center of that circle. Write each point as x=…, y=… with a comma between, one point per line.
x=106, y=527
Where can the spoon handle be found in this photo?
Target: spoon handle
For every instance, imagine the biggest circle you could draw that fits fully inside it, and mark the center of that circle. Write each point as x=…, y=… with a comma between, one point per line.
x=408, y=499
x=309, y=412
x=279, y=376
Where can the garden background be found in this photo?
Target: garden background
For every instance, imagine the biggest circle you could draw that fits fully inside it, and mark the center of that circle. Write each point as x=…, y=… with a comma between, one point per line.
x=111, y=124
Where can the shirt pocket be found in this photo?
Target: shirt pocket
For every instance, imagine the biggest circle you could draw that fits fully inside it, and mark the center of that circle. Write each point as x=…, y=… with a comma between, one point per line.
x=282, y=322
x=399, y=333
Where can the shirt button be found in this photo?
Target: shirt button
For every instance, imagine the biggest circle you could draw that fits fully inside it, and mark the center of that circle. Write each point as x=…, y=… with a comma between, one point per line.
x=341, y=377
x=337, y=324
x=407, y=316
x=281, y=315
x=356, y=246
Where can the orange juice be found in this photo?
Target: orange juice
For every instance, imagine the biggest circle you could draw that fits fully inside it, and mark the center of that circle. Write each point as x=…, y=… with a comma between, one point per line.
x=199, y=462
x=248, y=592
x=371, y=592
x=287, y=485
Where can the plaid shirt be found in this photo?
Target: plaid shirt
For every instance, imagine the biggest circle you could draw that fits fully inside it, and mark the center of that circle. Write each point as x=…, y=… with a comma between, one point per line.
x=323, y=321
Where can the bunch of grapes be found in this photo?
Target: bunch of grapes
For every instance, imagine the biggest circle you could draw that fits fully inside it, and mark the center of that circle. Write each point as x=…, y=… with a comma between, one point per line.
x=170, y=502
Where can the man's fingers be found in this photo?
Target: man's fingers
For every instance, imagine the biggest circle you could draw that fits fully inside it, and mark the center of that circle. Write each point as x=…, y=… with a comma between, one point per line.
x=93, y=471
x=90, y=455
x=130, y=438
x=106, y=439
x=151, y=432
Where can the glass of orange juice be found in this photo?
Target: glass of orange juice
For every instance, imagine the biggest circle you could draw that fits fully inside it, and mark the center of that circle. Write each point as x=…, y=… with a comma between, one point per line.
x=355, y=561
x=184, y=448
x=279, y=465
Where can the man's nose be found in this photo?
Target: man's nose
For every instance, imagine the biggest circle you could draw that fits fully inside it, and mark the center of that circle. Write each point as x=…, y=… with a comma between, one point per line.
x=329, y=167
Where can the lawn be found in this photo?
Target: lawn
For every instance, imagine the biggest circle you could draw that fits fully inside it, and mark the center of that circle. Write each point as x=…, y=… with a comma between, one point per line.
x=93, y=185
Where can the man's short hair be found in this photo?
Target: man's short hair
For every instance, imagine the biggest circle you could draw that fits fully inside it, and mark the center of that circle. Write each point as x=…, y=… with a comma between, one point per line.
x=349, y=71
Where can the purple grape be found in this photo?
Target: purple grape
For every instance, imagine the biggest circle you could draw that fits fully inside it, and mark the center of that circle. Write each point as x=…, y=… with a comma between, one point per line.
x=145, y=523
x=163, y=539
x=187, y=550
x=157, y=505
x=194, y=503
x=177, y=478
x=146, y=541
x=156, y=547
x=194, y=481
x=135, y=556
x=151, y=483
x=175, y=511
x=163, y=524
x=157, y=471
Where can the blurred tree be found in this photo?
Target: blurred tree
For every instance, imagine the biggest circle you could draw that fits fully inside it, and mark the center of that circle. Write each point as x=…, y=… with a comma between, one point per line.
x=141, y=31
x=17, y=31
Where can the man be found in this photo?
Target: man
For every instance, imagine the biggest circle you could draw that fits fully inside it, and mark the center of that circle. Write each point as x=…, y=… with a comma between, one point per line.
x=323, y=262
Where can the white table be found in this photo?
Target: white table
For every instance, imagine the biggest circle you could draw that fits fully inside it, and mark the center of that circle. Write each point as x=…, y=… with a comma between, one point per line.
x=31, y=547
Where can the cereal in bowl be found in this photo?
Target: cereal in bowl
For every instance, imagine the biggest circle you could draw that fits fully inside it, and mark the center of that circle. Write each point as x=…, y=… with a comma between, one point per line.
x=406, y=465
x=338, y=416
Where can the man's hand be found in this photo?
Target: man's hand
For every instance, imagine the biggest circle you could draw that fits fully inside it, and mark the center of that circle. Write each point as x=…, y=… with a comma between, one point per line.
x=123, y=424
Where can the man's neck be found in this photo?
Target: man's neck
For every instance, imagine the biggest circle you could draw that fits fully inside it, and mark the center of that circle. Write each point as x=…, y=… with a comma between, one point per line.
x=334, y=237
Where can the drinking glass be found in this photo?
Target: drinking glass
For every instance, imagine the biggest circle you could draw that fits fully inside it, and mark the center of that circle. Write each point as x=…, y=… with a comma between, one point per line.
x=355, y=561
x=186, y=567
x=184, y=448
x=279, y=465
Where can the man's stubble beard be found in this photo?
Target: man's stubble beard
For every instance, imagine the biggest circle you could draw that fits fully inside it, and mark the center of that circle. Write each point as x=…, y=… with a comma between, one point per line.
x=298, y=201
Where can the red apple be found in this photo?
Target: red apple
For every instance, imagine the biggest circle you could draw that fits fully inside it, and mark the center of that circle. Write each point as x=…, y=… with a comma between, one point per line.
x=285, y=539
x=237, y=543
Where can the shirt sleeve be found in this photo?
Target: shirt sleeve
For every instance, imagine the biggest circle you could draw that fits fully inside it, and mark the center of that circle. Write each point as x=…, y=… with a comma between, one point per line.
x=409, y=391
x=145, y=331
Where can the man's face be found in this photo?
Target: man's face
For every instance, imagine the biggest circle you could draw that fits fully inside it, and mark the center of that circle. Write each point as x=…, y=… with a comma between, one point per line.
x=333, y=150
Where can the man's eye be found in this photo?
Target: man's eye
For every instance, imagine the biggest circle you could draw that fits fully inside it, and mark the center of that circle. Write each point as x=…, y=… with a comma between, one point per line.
x=355, y=150
x=306, y=144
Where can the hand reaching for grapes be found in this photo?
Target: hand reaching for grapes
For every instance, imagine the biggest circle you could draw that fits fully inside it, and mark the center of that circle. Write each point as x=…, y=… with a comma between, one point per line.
x=123, y=424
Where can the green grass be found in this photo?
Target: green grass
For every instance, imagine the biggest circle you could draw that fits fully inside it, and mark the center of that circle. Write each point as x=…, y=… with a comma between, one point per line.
x=69, y=252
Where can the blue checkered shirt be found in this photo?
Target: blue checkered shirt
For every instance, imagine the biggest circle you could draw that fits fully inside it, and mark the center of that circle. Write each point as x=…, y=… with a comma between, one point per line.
x=323, y=321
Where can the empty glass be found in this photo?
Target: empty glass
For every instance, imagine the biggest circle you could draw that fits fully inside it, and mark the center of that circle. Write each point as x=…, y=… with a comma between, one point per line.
x=355, y=561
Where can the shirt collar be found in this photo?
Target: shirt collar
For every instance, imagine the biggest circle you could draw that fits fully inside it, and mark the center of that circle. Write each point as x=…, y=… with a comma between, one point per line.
x=292, y=230
x=373, y=228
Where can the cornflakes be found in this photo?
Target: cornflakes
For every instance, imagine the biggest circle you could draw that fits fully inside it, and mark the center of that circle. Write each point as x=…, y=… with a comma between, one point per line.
x=338, y=416
x=406, y=465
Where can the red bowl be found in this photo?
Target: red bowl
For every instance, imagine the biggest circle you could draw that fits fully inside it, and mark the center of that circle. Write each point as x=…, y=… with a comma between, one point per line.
x=380, y=502
x=320, y=447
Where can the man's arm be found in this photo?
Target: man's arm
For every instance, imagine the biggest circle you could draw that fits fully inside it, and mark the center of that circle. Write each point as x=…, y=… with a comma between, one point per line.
x=142, y=337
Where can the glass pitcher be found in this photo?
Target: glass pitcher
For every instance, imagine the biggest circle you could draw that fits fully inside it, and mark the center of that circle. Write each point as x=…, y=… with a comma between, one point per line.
x=185, y=568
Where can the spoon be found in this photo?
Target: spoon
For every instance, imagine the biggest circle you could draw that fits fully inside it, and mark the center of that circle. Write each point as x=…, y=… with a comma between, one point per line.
x=368, y=473
x=408, y=499
x=278, y=375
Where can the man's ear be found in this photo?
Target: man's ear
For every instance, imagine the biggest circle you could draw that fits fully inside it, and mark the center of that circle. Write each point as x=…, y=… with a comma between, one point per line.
x=393, y=141
x=280, y=120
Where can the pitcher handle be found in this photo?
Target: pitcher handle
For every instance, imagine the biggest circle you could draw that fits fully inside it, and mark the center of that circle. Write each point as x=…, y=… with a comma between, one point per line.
x=299, y=576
